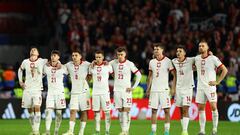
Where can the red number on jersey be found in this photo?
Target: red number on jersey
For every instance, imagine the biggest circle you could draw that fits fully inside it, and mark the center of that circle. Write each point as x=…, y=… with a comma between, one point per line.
x=76, y=76
x=120, y=76
x=53, y=79
x=129, y=100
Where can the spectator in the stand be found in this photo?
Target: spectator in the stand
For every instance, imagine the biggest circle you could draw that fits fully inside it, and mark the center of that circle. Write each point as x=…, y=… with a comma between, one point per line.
x=64, y=13
x=74, y=36
x=1, y=78
x=9, y=77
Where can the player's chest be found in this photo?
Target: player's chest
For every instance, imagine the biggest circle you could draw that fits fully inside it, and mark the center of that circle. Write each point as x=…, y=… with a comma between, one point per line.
x=159, y=66
x=100, y=70
x=77, y=69
x=33, y=65
x=206, y=64
x=122, y=68
x=55, y=72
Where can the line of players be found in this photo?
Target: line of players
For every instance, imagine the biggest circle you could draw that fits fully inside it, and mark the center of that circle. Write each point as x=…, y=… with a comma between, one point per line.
x=158, y=87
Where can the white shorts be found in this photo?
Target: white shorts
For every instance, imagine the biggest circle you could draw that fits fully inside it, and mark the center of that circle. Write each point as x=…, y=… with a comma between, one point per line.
x=122, y=99
x=203, y=95
x=80, y=102
x=56, y=101
x=101, y=101
x=31, y=99
x=183, y=99
x=160, y=98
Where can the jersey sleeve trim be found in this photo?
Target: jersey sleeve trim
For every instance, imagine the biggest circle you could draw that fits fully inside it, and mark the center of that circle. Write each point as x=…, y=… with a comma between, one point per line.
x=219, y=66
x=136, y=71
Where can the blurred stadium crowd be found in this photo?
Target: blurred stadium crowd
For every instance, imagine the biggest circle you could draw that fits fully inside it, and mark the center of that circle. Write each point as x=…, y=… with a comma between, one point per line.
x=107, y=24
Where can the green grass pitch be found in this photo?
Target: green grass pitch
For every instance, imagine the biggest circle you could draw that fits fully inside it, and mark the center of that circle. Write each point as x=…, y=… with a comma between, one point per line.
x=138, y=127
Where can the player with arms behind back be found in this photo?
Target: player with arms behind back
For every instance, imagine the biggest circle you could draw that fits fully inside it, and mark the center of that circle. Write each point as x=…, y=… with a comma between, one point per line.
x=32, y=87
x=100, y=94
x=78, y=71
x=184, y=85
x=207, y=65
x=55, y=96
x=158, y=86
x=123, y=70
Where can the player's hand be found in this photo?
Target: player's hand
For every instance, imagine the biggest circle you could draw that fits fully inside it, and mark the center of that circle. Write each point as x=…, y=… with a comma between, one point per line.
x=22, y=84
x=94, y=62
x=147, y=93
x=213, y=83
x=129, y=89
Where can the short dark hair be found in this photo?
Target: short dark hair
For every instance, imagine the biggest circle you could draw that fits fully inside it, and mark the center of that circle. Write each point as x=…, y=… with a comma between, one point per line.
x=56, y=52
x=203, y=41
x=159, y=45
x=76, y=51
x=99, y=52
x=181, y=47
x=121, y=49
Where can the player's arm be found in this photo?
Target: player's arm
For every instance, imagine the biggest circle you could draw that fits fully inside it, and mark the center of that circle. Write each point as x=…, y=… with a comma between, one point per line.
x=149, y=82
x=20, y=75
x=173, y=89
x=137, y=81
x=224, y=71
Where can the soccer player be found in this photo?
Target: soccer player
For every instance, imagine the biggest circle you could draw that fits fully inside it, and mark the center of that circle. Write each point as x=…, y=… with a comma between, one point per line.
x=55, y=96
x=207, y=66
x=184, y=85
x=32, y=86
x=78, y=71
x=123, y=70
x=100, y=94
x=158, y=86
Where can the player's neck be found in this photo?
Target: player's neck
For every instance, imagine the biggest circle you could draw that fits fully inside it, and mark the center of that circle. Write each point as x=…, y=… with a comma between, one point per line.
x=204, y=55
x=99, y=63
x=181, y=59
x=122, y=61
x=77, y=62
x=54, y=63
x=33, y=58
x=160, y=57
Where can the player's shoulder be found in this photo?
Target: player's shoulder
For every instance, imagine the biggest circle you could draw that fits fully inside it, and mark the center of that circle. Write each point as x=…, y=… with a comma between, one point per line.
x=114, y=61
x=174, y=60
x=197, y=57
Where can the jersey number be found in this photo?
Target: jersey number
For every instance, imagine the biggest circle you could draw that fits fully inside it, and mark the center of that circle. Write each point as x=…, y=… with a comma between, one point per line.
x=120, y=76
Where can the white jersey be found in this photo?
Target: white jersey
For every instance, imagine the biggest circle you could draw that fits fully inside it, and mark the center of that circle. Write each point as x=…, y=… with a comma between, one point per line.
x=122, y=74
x=55, y=79
x=160, y=74
x=100, y=75
x=184, y=72
x=78, y=74
x=34, y=73
x=206, y=71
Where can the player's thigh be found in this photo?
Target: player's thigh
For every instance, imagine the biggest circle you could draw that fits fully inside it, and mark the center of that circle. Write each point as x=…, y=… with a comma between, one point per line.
x=154, y=100
x=27, y=100
x=74, y=103
x=211, y=95
x=187, y=99
x=50, y=101
x=118, y=101
x=165, y=99
x=127, y=99
x=105, y=102
x=178, y=100
x=201, y=97
x=37, y=99
x=84, y=102
x=60, y=101
x=96, y=102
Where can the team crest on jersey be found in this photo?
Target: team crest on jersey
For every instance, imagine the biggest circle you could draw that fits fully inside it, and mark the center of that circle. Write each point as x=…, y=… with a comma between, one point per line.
x=120, y=67
x=99, y=69
x=32, y=65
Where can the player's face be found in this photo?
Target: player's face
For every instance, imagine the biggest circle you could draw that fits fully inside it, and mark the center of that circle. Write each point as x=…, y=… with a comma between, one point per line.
x=158, y=51
x=76, y=57
x=203, y=47
x=54, y=57
x=180, y=53
x=34, y=52
x=99, y=57
x=121, y=55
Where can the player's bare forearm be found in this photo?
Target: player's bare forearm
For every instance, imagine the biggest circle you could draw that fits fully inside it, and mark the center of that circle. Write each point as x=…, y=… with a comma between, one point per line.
x=149, y=82
x=174, y=82
x=223, y=73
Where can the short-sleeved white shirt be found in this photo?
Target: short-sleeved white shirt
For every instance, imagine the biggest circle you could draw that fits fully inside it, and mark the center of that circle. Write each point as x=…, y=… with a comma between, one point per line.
x=160, y=74
x=34, y=73
x=55, y=79
x=78, y=74
x=100, y=75
x=184, y=72
x=206, y=71
x=122, y=74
